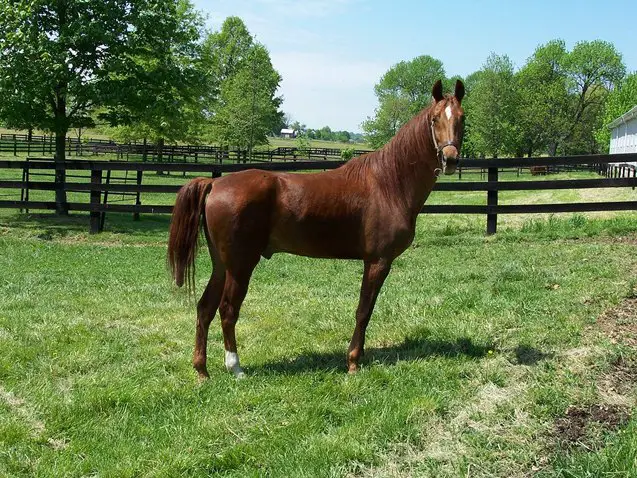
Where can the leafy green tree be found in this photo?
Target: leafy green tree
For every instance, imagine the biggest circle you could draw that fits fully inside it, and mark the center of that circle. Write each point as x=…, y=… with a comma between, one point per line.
x=470, y=144
x=543, y=89
x=325, y=133
x=594, y=69
x=62, y=58
x=343, y=136
x=402, y=91
x=390, y=116
x=245, y=108
x=248, y=106
x=165, y=101
x=619, y=101
x=493, y=108
x=303, y=142
x=296, y=126
x=225, y=52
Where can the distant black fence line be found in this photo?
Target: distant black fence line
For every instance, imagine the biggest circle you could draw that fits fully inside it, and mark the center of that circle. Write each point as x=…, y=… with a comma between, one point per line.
x=143, y=151
x=99, y=184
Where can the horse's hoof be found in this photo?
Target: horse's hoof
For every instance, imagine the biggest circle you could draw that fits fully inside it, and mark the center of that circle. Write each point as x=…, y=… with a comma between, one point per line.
x=353, y=369
x=202, y=373
x=238, y=373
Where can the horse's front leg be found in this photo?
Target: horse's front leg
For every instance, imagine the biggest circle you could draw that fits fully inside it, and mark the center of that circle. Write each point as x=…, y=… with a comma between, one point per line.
x=373, y=278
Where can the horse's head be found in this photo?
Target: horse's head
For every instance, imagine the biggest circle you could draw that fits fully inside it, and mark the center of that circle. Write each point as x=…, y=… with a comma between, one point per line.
x=447, y=126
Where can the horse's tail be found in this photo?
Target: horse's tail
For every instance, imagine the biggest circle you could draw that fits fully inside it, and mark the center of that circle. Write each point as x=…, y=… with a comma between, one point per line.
x=183, y=240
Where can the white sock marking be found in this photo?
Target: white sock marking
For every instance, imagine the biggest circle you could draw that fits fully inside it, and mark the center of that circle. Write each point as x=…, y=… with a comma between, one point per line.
x=232, y=364
x=448, y=112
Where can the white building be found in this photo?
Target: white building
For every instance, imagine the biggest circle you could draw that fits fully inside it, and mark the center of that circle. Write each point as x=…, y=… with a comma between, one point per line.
x=288, y=133
x=623, y=134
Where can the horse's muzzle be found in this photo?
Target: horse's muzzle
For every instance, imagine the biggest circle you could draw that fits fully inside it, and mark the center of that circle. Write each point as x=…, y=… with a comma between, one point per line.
x=450, y=159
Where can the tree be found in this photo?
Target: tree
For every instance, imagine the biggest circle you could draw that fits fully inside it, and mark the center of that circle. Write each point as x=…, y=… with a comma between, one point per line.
x=402, y=91
x=226, y=51
x=248, y=106
x=492, y=107
x=162, y=90
x=325, y=133
x=344, y=136
x=62, y=58
x=543, y=91
x=390, y=116
x=594, y=69
x=619, y=101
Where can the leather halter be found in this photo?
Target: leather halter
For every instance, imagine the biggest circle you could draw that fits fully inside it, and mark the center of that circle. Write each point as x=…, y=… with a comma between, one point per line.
x=439, y=148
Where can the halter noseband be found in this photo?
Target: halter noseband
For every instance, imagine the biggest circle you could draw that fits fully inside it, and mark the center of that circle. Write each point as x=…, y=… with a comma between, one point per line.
x=439, y=149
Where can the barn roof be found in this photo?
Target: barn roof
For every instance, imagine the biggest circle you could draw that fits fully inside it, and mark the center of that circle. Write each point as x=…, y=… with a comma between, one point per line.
x=287, y=131
x=630, y=114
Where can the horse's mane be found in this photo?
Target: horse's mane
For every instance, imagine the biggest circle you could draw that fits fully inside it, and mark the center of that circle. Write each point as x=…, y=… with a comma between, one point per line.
x=395, y=161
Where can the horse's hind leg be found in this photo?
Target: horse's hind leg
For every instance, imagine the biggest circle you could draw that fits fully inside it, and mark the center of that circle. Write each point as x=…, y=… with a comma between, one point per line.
x=234, y=292
x=206, y=310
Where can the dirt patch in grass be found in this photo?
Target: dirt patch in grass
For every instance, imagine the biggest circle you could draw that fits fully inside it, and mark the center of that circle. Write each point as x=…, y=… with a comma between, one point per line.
x=583, y=426
x=619, y=324
x=579, y=426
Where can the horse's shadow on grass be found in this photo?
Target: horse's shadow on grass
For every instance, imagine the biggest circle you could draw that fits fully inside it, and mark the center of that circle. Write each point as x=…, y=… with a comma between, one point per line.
x=412, y=348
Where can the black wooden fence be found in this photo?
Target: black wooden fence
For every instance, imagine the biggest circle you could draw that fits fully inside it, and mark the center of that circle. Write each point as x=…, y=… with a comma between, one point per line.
x=97, y=187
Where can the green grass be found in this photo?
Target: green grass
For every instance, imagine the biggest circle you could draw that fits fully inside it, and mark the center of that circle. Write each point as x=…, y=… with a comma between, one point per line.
x=315, y=143
x=472, y=353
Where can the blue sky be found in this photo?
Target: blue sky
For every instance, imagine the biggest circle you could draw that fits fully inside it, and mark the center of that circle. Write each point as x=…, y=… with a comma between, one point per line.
x=330, y=53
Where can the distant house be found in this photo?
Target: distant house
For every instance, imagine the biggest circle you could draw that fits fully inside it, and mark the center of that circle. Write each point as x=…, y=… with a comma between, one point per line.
x=623, y=133
x=288, y=133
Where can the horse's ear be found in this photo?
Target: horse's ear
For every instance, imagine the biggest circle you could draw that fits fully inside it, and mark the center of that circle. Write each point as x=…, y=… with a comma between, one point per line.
x=459, y=94
x=436, y=91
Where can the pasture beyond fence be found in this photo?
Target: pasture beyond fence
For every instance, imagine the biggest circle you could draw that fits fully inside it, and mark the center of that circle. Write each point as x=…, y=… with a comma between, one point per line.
x=618, y=174
x=22, y=144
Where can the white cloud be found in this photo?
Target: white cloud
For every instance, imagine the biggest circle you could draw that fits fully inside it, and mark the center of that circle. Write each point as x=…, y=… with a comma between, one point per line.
x=322, y=89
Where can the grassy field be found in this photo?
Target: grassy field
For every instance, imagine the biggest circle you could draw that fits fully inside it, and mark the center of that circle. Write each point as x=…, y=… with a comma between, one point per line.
x=273, y=142
x=315, y=143
x=512, y=355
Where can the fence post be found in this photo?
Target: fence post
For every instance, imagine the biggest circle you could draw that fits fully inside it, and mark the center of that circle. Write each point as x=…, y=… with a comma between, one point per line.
x=24, y=192
x=15, y=146
x=138, y=201
x=492, y=200
x=60, y=184
x=96, y=179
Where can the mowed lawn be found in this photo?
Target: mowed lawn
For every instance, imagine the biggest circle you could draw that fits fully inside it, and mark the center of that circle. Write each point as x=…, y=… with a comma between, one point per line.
x=475, y=352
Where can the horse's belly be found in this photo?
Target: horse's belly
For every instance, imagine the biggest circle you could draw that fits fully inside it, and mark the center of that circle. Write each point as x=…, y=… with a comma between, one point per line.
x=339, y=239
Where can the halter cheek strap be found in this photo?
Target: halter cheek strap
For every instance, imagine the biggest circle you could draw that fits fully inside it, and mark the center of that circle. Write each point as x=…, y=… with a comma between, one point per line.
x=439, y=148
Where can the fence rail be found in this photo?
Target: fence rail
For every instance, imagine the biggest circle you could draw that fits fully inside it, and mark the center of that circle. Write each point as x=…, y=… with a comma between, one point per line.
x=98, y=188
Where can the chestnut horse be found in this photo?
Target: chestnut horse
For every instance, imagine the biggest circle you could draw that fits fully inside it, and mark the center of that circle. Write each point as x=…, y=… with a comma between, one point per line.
x=365, y=209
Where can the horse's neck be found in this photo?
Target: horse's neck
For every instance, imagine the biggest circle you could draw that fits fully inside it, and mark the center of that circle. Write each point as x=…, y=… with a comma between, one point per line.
x=412, y=169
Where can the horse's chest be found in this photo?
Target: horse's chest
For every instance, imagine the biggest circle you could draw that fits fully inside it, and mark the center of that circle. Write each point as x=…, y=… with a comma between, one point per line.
x=392, y=236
